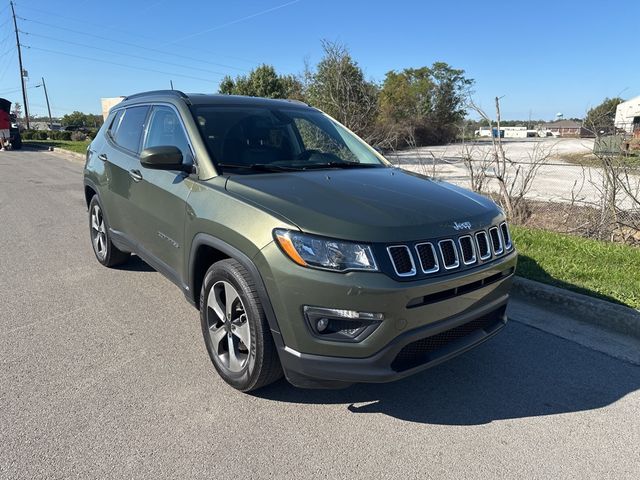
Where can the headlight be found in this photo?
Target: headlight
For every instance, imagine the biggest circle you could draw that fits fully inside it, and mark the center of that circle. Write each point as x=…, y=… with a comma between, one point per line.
x=325, y=253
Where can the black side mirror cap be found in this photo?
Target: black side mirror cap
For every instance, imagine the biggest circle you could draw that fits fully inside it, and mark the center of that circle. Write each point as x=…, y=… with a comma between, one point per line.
x=166, y=157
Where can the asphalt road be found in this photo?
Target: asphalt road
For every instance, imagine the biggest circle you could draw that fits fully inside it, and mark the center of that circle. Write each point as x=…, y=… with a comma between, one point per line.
x=103, y=374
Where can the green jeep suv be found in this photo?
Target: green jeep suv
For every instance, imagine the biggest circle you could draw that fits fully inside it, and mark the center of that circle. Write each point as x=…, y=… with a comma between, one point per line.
x=305, y=251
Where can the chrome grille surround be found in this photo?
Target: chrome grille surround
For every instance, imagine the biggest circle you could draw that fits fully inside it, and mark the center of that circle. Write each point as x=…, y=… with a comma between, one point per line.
x=436, y=266
x=473, y=258
x=411, y=272
x=456, y=264
x=500, y=248
x=483, y=234
x=435, y=253
x=506, y=236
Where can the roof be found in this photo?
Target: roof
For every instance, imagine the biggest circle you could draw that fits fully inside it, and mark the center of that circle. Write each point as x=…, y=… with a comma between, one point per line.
x=216, y=99
x=564, y=124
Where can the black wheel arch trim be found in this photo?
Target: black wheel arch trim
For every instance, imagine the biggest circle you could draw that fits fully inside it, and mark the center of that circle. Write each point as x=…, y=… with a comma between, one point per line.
x=205, y=239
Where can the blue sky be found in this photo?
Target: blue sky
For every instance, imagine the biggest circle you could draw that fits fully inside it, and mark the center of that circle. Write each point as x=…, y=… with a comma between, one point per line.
x=544, y=57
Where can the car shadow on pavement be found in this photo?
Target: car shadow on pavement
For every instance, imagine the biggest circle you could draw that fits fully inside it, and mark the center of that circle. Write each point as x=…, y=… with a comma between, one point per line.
x=522, y=372
x=135, y=264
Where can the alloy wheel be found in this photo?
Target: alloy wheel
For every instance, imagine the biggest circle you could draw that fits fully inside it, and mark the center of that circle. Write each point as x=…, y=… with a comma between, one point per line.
x=228, y=326
x=98, y=232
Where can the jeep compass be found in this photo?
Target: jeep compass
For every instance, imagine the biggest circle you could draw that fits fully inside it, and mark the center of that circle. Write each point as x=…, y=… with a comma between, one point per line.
x=306, y=252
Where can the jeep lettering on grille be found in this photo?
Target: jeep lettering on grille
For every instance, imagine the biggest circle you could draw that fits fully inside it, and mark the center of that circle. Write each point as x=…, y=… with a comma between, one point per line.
x=461, y=226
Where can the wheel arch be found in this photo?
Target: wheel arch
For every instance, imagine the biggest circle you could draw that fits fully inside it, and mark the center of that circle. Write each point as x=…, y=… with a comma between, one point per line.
x=206, y=250
x=90, y=190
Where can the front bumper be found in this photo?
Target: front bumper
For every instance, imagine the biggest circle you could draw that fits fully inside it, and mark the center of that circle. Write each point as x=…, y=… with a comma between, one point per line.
x=409, y=353
x=412, y=311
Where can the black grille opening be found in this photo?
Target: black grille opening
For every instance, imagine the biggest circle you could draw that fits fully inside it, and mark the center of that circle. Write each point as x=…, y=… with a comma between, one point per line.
x=402, y=261
x=449, y=254
x=483, y=245
x=461, y=290
x=427, y=257
x=428, y=349
x=505, y=235
x=468, y=252
x=495, y=240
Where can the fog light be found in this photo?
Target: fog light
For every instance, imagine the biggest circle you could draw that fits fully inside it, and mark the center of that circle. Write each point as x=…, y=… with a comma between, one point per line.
x=322, y=324
x=341, y=325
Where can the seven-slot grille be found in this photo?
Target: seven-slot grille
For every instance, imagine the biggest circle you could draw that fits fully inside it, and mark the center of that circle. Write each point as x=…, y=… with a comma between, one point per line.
x=450, y=253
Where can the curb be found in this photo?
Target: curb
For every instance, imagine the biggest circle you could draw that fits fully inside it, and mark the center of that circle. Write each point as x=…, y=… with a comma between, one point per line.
x=61, y=152
x=617, y=318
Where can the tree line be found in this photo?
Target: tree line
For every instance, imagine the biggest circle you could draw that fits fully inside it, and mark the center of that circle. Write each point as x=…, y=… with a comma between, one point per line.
x=410, y=107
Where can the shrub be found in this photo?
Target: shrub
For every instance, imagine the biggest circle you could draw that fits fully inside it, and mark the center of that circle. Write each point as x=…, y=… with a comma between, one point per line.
x=40, y=134
x=60, y=135
x=91, y=134
x=78, y=136
x=27, y=135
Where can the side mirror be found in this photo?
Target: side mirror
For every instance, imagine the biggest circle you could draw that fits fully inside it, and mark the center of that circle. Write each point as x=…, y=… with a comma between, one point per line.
x=162, y=158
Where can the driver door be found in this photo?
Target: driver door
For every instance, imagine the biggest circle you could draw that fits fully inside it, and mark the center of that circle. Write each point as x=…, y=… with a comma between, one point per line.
x=160, y=196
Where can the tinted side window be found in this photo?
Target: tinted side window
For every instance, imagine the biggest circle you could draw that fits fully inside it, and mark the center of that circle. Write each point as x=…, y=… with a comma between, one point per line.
x=129, y=132
x=165, y=129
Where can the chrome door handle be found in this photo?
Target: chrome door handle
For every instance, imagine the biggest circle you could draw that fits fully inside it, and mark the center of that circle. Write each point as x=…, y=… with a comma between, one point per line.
x=103, y=157
x=136, y=175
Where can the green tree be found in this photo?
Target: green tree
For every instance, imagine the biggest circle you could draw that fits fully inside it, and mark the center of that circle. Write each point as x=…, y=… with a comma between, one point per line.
x=421, y=106
x=263, y=81
x=338, y=87
x=84, y=119
x=602, y=117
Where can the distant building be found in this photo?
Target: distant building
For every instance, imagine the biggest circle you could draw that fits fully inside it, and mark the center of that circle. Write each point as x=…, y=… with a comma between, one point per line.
x=108, y=103
x=45, y=126
x=505, y=132
x=628, y=115
x=565, y=128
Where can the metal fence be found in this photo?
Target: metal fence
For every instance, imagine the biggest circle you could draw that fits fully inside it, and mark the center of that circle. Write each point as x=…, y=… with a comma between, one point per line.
x=554, y=184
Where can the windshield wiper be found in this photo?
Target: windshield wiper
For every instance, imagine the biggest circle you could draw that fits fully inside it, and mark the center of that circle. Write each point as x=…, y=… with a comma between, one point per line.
x=340, y=165
x=258, y=167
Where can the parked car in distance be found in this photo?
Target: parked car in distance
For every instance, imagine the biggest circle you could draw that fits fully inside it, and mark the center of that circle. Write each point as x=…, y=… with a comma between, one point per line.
x=305, y=251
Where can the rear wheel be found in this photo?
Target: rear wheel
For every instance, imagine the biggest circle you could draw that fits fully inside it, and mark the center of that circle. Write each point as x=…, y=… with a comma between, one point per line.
x=235, y=329
x=106, y=252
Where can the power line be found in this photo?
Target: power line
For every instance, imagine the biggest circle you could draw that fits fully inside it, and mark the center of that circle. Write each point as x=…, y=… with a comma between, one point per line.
x=129, y=44
x=232, y=22
x=99, y=60
x=133, y=34
x=123, y=54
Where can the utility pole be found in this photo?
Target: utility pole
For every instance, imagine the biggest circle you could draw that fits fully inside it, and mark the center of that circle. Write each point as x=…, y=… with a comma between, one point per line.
x=171, y=82
x=46, y=96
x=24, y=89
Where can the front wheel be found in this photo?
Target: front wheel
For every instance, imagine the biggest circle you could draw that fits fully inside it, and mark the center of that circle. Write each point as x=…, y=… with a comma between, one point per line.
x=235, y=329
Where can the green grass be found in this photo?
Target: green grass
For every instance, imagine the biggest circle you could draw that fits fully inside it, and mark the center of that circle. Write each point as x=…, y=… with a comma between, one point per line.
x=72, y=146
x=601, y=269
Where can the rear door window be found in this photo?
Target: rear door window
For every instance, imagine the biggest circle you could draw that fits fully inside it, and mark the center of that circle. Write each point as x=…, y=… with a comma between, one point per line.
x=129, y=132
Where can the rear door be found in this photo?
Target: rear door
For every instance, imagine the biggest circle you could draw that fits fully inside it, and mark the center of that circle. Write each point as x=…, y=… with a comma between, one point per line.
x=120, y=154
x=160, y=196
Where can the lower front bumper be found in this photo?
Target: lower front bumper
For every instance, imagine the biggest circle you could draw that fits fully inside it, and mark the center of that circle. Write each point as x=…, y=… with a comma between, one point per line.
x=409, y=353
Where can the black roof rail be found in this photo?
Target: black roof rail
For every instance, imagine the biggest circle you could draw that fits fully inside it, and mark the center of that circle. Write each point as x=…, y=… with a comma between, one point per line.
x=176, y=93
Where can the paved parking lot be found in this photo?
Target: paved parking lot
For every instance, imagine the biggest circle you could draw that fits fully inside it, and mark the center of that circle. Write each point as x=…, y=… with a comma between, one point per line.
x=103, y=374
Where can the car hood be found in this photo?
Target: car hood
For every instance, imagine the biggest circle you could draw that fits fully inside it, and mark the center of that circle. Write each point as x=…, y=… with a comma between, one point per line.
x=368, y=204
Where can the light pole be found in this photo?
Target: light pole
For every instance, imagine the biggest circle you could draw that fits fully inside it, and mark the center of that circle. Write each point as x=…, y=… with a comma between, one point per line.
x=46, y=96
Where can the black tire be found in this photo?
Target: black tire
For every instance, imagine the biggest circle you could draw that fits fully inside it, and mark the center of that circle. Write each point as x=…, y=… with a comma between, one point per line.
x=109, y=255
x=16, y=144
x=262, y=365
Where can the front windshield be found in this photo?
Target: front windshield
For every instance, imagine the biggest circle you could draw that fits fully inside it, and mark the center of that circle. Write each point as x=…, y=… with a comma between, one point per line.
x=246, y=139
